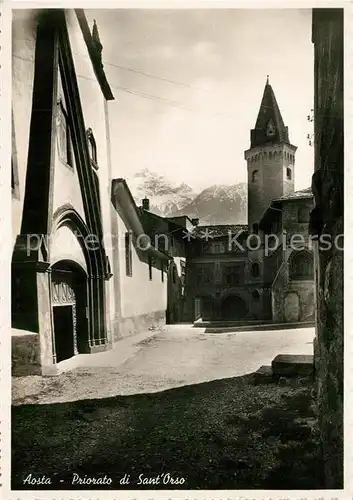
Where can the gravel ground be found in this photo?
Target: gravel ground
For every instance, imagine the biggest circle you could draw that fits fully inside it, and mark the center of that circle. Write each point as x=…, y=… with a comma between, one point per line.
x=179, y=405
x=173, y=358
x=224, y=434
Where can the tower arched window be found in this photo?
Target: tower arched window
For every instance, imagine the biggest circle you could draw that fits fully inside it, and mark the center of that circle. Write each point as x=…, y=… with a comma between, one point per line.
x=255, y=270
x=270, y=155
x=289, y=173
x=255, y=176
x=301, y=265
x=92, y=148
x=274, y=155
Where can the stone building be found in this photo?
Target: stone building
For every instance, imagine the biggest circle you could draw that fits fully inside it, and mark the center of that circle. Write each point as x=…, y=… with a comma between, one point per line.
x=290, y=266
x=80, y=282
x=327, y=222
x=231, y=273
x=61, y=276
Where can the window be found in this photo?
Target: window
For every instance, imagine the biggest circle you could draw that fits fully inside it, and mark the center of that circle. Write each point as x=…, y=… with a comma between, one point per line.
x=150, y=267
x=255, y=228
x=232, y=275
x=92, y=148
x=64, y=140
x=255, y=176
x=289, y=173
x=255, y=270
x=217, y=248
x=256, y=295
x=303, y=214
x=182, y=274
x=203, y=276
x=301, y=265
x=128, y=253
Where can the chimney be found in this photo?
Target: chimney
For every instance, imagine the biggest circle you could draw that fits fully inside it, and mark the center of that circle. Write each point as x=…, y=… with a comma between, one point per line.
x=195, y=222
x=145, y=204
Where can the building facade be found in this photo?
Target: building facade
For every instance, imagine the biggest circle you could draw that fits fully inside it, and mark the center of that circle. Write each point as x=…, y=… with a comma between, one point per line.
x=233, y=272
x=84, y=274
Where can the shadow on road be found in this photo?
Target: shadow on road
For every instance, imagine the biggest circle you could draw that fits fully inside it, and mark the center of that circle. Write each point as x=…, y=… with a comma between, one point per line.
x=224, y=434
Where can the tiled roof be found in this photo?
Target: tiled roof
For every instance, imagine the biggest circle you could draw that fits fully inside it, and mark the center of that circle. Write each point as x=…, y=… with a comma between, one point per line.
x=269, y=111
x=303, y=193
x=219, y=230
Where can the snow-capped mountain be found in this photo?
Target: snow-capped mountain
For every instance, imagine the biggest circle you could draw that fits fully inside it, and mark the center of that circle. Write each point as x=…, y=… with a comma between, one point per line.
x=218, y=204
x=165, y=197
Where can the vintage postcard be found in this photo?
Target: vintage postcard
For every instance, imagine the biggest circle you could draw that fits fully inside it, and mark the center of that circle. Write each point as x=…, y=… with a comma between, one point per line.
x=173, y=296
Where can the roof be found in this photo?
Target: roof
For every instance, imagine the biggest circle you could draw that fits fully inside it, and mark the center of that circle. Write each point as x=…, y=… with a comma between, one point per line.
x=269, y=112
x=94, y=48
x=171, y=223
x=274, y=208
x=219, y=230
x=125, y=205
x=303, y=193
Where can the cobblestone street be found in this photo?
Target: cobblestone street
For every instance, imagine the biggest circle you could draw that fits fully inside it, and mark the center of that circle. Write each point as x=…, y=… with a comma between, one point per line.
x=180, y=355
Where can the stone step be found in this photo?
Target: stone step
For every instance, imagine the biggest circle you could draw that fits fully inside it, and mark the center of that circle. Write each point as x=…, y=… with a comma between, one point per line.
x=259, y=327
x=263, y=375
x=293, y=365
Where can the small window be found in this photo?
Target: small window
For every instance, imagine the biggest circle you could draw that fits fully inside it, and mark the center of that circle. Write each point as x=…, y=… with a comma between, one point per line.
x=303, y=214
x=150, y=268
x=128, y=253
x=64, y=139
x=92, y=148
x=289, y=173
x=255, y=270
x=255, y=176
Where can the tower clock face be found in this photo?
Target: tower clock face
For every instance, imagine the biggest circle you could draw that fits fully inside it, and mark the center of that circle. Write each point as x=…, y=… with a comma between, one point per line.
x=270, y=131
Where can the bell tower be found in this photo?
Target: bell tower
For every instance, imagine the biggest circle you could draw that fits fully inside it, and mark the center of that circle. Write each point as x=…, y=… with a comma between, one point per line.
x=270, y=159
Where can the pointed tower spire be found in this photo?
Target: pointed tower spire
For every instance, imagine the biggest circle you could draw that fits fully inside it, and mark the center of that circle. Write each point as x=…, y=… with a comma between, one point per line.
x=269, y=124
x=268, y=80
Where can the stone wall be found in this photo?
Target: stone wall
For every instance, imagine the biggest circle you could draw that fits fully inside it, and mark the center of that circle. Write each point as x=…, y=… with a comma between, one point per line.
x=327, y=219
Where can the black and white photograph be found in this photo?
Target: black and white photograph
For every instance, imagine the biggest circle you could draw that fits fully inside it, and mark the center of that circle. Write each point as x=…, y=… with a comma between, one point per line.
x=177, y=212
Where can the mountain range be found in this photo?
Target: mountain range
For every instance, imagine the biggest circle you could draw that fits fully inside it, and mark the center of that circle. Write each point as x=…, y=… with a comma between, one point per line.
x=217, y=204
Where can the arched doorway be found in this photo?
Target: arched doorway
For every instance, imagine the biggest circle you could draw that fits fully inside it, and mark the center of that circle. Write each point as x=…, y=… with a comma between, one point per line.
x=291, y=307
x=69, y=301
x=233, y=308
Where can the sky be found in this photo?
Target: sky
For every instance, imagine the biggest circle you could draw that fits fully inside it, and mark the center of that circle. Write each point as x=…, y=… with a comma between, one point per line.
x=188, y=86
